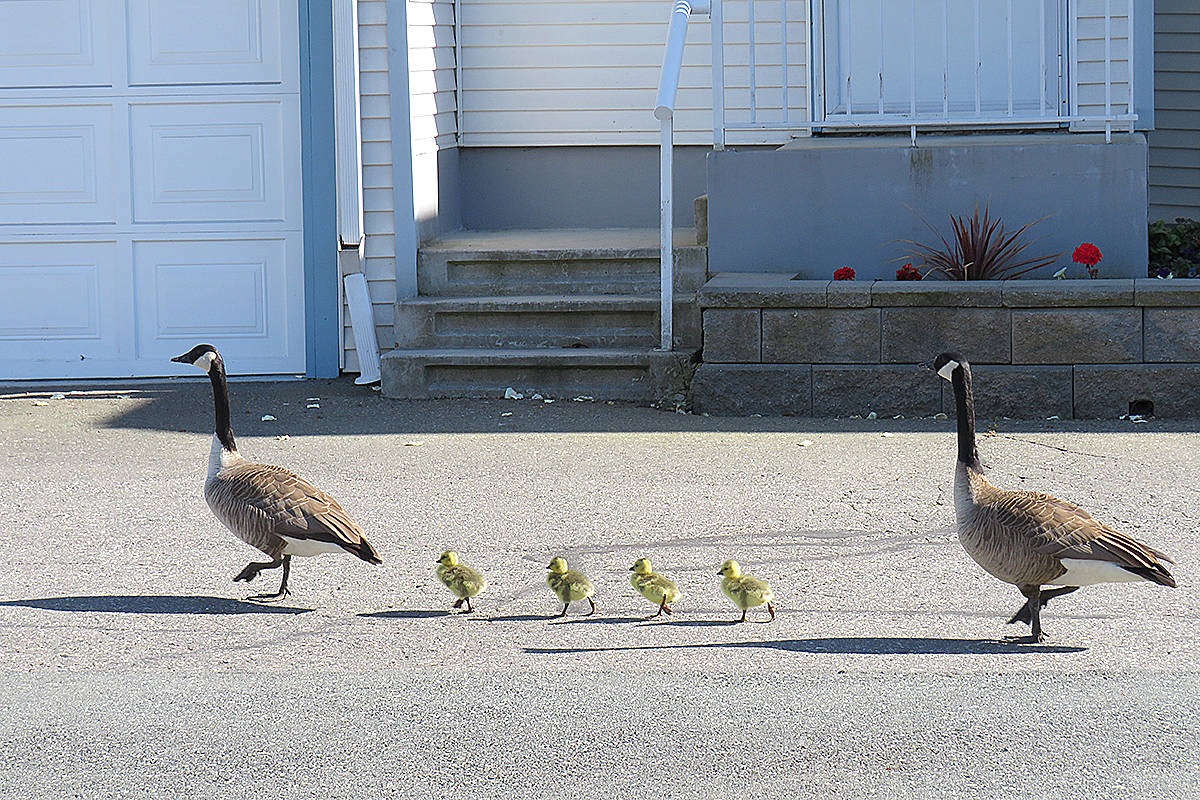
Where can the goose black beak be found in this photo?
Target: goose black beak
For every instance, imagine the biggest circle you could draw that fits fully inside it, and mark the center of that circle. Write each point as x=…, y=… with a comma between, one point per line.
x=181, y=359
x=926, y=365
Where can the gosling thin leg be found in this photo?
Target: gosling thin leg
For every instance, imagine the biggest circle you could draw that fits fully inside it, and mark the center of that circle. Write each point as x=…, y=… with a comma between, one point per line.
x=457, y=603
x=593, y=611
x=771, y=609
x=743, y=619
x=563, y=613
x=469, y=609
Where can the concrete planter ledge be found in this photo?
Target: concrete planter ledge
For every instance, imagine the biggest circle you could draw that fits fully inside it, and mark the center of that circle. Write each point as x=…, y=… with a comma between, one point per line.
x=776, y=290
x=1044, y=347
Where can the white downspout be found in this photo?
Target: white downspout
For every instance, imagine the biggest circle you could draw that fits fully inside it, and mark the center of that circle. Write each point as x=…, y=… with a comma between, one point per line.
x=348, y=152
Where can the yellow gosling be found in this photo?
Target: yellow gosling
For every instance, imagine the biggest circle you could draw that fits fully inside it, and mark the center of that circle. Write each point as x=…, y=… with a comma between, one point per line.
x=460, y=579
x=569, y=585
x=654, y=587
x=745, y=591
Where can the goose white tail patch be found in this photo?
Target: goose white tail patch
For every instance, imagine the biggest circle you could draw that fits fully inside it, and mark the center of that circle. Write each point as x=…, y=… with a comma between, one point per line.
x=309, y=547
x=948, y=369
x=1085, y=571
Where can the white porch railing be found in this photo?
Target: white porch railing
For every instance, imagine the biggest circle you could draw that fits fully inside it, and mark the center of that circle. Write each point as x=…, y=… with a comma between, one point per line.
x=981, y=51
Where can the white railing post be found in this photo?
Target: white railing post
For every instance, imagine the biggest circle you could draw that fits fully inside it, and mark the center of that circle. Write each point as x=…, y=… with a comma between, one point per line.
x=666, y=238
x=664, y=111
x=717, y=18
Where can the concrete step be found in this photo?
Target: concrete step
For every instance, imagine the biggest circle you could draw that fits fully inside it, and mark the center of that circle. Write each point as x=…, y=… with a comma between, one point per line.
x=580, y=261
x=605, y=320
x=602, y=373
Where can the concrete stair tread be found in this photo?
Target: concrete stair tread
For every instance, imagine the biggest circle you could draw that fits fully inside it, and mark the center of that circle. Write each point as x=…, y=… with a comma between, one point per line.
x=536, y=302
x=558, y=243
x=552, y=356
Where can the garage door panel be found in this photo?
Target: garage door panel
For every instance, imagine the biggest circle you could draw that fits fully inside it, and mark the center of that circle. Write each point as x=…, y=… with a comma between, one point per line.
x=57, y=164
x=211, y=162
x=60, y=301
x=234, y=293
x=55, y=43
x=233, y=41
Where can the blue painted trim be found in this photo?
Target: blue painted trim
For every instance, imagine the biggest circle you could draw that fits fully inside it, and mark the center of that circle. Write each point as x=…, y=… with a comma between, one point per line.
x=402, y=169
x=1143, y=63
x=320, y=189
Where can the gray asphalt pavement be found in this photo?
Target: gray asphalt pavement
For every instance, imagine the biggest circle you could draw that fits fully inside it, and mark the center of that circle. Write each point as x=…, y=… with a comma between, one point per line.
x=134, y=667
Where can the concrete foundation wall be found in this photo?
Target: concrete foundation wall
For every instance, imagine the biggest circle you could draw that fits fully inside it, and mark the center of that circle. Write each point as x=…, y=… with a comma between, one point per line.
x=573, y=187
x=823, y=203
x=1088, y=349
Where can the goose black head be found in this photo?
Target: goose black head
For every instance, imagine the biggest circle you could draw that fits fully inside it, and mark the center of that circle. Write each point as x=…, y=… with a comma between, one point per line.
x=202, y=356
x=946, y=363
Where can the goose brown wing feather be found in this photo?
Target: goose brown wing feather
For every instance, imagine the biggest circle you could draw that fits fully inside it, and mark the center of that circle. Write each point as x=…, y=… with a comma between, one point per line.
x=295, y=508
x=1064, y=530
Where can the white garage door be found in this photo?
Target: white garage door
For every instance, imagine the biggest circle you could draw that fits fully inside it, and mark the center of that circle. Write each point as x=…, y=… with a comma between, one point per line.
x=150, y=192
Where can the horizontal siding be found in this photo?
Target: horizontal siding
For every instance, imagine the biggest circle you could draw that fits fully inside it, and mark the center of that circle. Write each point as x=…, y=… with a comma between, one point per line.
x=432, y=87
x=1175, y=142
x=554, y=72
x=1089, y=80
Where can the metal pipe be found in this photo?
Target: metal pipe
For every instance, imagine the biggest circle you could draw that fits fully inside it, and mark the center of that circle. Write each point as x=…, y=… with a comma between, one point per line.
x=668, y=82
x=666, y=234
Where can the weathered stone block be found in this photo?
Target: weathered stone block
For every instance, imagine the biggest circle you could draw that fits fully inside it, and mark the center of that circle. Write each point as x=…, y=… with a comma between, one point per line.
x=1077, y=336
x=743, y=389
x=1064, y=294
x=955, y=294
x=915, y=335
x=1106, y=391
x=886, y=389
x=732, y=334
x=1172, y=334
x=761, y=290
x=1019, y=392
x=1175, y=292
x=821, y=335
x=848, y=294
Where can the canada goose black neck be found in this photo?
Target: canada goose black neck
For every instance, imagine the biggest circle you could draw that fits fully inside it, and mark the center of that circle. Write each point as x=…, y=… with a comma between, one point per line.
x=224, y=430
x=964, y=405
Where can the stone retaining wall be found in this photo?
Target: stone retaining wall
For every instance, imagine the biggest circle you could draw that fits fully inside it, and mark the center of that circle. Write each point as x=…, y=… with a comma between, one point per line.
x=1075, y=348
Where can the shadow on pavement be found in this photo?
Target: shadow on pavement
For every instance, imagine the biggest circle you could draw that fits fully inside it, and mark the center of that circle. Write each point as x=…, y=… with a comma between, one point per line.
x=599, y=620
x=154, y=604
x=408, y=614
x=867, y=645
x=342, y=408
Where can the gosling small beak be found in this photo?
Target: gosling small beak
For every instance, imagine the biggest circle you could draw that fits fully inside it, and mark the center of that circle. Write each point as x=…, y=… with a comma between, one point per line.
x=721, y=572
x=631, y=569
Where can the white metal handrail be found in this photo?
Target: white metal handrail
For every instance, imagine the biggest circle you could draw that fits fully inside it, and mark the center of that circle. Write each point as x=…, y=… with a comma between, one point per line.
x=664, y=110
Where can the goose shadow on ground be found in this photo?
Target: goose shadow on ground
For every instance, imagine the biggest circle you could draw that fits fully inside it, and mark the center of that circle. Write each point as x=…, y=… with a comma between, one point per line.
x=599, y=620
x=153, y=604
x=865, y=645
x=408, y=613
x=689, y=623
x=516, y=618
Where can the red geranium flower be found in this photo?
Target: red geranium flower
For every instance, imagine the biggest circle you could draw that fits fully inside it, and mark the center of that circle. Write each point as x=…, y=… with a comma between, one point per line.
x=1087, y=253
x=908, y=273
x=844, y=274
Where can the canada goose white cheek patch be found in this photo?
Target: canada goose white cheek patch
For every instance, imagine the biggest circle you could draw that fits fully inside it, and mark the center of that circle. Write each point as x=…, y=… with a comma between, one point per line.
x=948, y=369
x=205, y=361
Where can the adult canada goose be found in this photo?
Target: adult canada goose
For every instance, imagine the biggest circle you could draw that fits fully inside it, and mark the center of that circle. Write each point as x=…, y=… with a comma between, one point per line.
x=745, y=591
x=1030, y=539
x=569, y=585
x=269, y=507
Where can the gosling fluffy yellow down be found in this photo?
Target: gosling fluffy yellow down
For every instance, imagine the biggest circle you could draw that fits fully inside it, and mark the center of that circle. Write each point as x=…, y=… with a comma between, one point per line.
x=745, y=591
x=460, y=579
x=569, y=585
x=654, y=587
